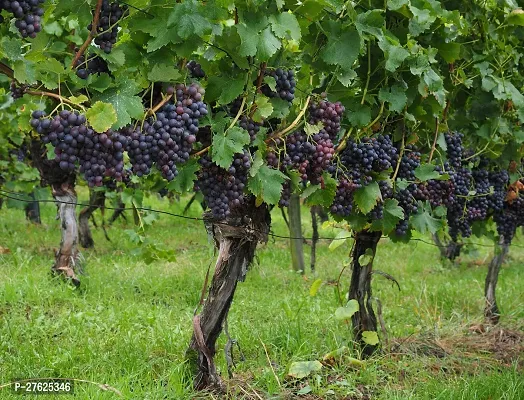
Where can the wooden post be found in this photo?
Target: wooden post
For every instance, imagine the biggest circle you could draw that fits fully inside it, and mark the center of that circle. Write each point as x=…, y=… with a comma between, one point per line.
x=491, y=311
x=295, y=231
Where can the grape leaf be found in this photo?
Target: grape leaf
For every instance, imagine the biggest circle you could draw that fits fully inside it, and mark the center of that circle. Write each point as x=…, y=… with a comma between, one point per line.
x=285, y=26
x=342, y=47
x=186, y=177
x=101, y=116
x=249, y=30
x=395, y=54
x=264, y=108
x=266, y=184
x=371, y=22
x=225, y=90
x=426, y=172
x=268, y=45
x=370, y=337
x=325, y=194
x=423, y=221
x=347, y=312
x=189, y=19
x=395, y=96
x=301, y=369
x=124, y=101
x=227, y=144
x=449, y=51
x=367, y=197
x=163, y=73
x=393, y=213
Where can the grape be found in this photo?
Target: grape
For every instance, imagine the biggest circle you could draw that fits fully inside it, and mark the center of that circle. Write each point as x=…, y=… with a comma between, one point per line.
x=28, y=15
x=99, y=155
x=223, y=188
x=107, y=29
x=329, y=114
x=285, y=84
x=16, y=91
x=250, y=126
x=375, y=154
x=94, y=65
x=195, y=69
x=343, y=202
x=454, y=148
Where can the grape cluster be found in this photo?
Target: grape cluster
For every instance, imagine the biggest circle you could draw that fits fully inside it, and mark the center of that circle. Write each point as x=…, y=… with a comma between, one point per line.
x=499, y=181
x=510, y=218
x=107, y=29
x=285, y=84
x=250, y=126
x=329, y=114
x=28, y=14
x=223, y=189
x=168, y=141
x=343, y=202
x=375, y=154
x=16, y=91
x=457, y=215
x=94, y=65
x=409, y=162
x=99, y=155
x=195, y=69
x=454, y=148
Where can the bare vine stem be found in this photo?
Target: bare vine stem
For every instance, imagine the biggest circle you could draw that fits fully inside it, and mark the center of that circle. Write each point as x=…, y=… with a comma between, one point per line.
x=159, y=105
x=91, y=36
x=50, y=94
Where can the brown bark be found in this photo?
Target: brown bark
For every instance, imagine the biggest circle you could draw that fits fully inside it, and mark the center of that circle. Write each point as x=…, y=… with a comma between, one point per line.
x=236, y=240
x=491, y=310
x=360, y=287
x=63, y=190
x=96, y=200
x=32, y=210
x=314, y=239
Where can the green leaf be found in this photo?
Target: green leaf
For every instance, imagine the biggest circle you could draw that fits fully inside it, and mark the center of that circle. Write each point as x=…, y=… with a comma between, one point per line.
x=395, y=96
x=125, y=103
x=370, y=22
x=313, y=290
x=395, y=54
x=325, y=194
x=396, y=4
x=367, y=197
x=393, y=213
x=11, y=48
x=24, y=72
x=339, y=240
x=101, y=116
x=189, y=19
x=223, y=89
x=266, y=184
x=370, y=337
x=347, y=312
x=516, y=17
x=425, y=172
x=186, y=177
x=424, y=222
x=313, y=129
x=264, y=108
x=53, y=28
x=343, y=46
x=359, y=115
x=268, y=45
x=78, y=99
x=450, y=52
x=421, y=21
x=285, y=26
x=366, y=258
x=52, y=65
x=301, y=369
x=271, y=82
x=226, y=145
x=163, y=73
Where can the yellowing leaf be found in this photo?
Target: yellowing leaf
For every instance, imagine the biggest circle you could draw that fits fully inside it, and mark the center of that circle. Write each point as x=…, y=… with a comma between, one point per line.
x=101, y=116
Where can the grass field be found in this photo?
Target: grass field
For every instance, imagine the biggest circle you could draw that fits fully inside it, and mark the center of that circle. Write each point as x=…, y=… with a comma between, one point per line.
x=130, y=323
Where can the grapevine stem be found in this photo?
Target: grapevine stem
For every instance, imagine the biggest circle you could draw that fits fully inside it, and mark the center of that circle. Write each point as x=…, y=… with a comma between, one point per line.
x=91, y=35
x=477, y=153
x=399, y=160
x=368, y=77
x=434, y=146
x=160, y=105
x=49, y=94
x=6, y=70
x=292, y=125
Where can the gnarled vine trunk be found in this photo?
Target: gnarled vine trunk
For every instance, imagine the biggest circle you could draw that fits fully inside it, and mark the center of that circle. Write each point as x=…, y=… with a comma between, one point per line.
x=364, y=250
x=236, y=240
x=491, y=310
x=450, y=250
x=63, y=189
x=96, y=200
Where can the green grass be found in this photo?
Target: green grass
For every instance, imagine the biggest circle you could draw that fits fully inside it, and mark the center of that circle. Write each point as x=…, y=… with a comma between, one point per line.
x=130, y=323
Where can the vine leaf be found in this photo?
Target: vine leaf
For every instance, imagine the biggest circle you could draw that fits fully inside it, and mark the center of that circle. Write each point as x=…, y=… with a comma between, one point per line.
x=370, y=337
x=301, y=369
x=186, y=177
x=367, y=197
x=163, y=73
x=227, y=144
x=101, y=116
x=266, y=185
x=424, y=222
x=395, y=96
x=257, y=38
x=264, y=109
x=393, y=213
x=322, y=194
x=285, y=26
x=347, y=312
x=188, y=19
x=395, y=54
x=125, y=103
x=224, y=90
x=426, y=172
x=339, y=240
x=343, y=46
x=313, y=290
